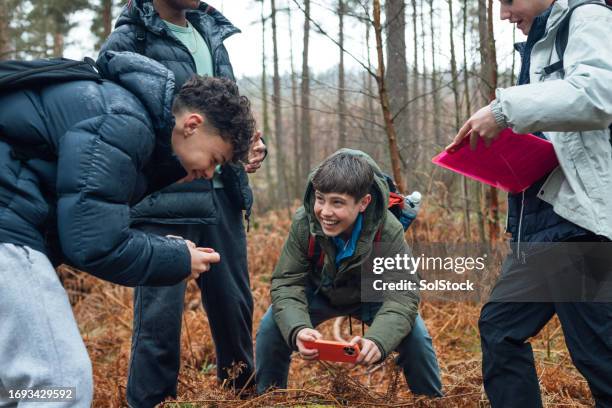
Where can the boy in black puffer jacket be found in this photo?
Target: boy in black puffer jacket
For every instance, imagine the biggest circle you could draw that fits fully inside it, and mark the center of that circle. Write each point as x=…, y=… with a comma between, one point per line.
x=111, y=144
x=187, y=37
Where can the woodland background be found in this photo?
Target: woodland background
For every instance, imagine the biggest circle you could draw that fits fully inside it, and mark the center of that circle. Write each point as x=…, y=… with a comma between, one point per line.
x=422, y=68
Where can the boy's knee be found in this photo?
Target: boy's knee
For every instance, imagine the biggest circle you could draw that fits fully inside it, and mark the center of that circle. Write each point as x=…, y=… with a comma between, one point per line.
x=267, y=327
x=419, y=337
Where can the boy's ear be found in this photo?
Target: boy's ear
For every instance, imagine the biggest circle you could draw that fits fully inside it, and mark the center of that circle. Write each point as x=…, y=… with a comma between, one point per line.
x=191, y=122
x=364, y=202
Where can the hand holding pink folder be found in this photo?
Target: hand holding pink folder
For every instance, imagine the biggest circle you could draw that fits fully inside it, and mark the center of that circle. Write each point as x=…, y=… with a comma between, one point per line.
x=512, y=163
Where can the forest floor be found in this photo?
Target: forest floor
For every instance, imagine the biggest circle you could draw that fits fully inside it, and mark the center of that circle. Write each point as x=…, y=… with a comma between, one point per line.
x=104, y=314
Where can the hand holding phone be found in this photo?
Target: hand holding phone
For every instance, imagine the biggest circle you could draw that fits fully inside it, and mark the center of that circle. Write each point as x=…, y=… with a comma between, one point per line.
x=369, y=354
x=304, y=336
x=334, y=351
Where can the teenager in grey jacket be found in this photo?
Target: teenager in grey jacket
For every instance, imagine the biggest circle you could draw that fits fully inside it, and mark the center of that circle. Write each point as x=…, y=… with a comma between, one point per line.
x=573, y=109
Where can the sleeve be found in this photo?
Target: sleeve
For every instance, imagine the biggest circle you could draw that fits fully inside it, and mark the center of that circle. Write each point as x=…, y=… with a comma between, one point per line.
x=99, y=161
x=398, y=312
x=289, y=303
x=582, y=100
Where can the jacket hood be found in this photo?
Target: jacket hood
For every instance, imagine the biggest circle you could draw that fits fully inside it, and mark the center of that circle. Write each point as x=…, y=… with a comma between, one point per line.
x=148, y=80
x=374, y=215
x=142, y=12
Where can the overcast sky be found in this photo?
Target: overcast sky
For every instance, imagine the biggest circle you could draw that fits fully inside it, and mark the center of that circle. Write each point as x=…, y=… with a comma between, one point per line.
x=245, y=49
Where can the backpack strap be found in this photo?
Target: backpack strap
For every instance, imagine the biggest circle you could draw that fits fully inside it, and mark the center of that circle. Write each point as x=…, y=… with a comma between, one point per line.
x=42, y=72
x=315, y=252
x=141, y=39
x=562, y=36
x=378, y=236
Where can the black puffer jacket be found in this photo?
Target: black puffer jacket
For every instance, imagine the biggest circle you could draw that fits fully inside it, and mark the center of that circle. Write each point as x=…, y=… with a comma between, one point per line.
x=190, y=203
x=103, y=135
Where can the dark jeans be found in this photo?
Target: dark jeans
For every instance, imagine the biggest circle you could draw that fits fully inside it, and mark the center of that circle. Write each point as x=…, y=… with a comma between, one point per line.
x=227, y=299
x=509, y=373
x=416, y=354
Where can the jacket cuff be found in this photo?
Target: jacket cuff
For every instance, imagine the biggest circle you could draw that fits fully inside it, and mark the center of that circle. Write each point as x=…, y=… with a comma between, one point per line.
x=293, y=336
x=500, y=118
x=383, y=352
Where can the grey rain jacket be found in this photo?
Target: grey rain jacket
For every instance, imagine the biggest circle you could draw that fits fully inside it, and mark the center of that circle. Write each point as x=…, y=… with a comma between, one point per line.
x=574, y=109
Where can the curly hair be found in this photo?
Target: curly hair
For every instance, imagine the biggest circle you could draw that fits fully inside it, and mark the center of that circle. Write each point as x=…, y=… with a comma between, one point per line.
x=225, y=109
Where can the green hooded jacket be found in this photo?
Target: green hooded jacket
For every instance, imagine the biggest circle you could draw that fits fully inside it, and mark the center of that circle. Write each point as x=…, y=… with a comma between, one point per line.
x=294, y=270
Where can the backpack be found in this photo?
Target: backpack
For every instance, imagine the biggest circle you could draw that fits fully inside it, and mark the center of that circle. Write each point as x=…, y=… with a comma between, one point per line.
x=561, y=39
x=16, y=75
x=37, y=73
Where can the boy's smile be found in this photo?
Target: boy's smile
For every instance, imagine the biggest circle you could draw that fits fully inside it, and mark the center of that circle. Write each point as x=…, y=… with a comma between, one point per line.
x=337, y=212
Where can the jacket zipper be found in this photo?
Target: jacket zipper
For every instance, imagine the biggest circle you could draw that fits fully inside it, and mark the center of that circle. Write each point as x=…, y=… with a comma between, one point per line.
x=520, y=255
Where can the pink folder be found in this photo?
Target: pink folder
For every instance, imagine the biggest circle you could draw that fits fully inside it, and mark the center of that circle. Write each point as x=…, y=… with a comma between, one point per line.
x=512, y=163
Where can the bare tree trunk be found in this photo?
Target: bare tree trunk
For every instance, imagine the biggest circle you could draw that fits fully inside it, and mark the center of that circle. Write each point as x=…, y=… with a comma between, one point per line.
x=434, y=80
x=466, y=78
x=415, y=125
x=468, y=109
x=370, y=88
x=264, y=96
x=384, y=103
x=107, y=17
x=58, y=44
x=278, y=119
x=455, y=80
x=341, y=85
x=494, y=232
x=296, y=119
x=423, y=134
x=305, y=99
x=513, y=79
x=488, y=85
x=397, y=70
x=5, y=42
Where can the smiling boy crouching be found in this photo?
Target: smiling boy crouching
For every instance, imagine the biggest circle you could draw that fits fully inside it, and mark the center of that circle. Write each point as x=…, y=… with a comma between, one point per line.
x=345, y=208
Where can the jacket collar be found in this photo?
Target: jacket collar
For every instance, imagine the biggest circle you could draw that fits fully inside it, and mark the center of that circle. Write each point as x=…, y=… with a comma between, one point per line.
x=206, y=19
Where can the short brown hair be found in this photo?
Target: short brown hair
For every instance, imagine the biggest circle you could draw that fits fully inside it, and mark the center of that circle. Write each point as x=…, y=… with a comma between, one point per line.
x=344, y=173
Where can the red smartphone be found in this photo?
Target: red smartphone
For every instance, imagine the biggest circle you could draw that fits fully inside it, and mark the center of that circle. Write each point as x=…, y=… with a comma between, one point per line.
x=334, y=350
